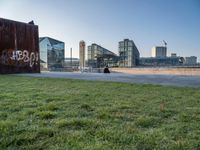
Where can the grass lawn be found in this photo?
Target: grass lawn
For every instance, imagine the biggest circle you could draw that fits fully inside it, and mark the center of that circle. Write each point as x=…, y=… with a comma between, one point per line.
x=44, y=113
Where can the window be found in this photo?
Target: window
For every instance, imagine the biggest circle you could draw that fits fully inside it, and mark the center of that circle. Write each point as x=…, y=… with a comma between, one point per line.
x=130, y=44
x=130, y=48
x=121, y=44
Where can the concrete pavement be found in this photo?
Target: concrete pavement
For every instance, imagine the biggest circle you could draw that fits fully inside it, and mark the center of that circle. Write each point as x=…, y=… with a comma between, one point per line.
x=173, y=80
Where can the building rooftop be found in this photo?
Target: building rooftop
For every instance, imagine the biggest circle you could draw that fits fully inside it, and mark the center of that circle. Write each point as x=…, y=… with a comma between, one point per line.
x=51, y=40
x=108, y=51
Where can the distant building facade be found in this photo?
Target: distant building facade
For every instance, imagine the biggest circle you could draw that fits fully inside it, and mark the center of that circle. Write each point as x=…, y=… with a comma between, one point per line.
x=100, y=57
x=128, y=54
x=161, y=61
x=192, y=60
x=173, y=55
x=52, y=53
x=159, y=51
x=82, y=54
x=71, y=63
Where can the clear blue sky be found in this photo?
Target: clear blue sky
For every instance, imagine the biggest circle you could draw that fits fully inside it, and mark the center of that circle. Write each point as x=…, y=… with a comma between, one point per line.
x=105, y=22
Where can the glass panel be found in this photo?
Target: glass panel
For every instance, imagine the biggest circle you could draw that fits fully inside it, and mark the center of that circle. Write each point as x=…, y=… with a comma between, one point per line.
x=130, y=44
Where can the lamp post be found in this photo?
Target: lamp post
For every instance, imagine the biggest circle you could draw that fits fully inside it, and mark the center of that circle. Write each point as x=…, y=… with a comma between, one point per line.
x=71, y=56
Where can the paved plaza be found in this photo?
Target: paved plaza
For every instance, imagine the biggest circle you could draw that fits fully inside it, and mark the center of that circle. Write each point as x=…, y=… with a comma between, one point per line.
x=172, y=80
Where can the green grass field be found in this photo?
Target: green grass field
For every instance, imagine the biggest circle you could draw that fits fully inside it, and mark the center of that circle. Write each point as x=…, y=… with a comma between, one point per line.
x=43, y=113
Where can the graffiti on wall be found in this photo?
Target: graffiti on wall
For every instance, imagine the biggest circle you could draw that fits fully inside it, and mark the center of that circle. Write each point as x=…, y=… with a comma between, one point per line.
x=19, y=47
x=22, y=57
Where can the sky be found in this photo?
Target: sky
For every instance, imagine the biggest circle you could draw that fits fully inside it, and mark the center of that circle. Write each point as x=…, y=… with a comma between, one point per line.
x=106, y=22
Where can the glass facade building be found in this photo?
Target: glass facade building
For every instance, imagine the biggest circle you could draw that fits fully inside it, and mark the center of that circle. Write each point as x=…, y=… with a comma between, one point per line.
x=100, y=57
x=128, y=54
x=161, y=61
x=192, y=60
x=52, y=53
x=159, y=51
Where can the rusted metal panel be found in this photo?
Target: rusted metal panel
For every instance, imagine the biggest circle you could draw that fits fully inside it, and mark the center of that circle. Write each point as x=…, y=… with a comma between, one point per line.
x=19, y=47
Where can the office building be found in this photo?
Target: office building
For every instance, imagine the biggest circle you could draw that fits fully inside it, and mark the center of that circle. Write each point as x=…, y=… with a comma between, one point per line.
x=159, y=51
x=82, y=54
x=51, y=53
x=173, y=55
x=161, y=61
x=71, y=63
x=128, y=54
x=100, y=57
x=192, y=60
